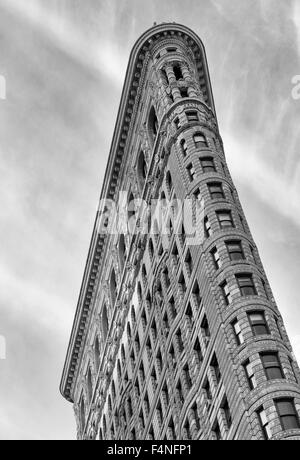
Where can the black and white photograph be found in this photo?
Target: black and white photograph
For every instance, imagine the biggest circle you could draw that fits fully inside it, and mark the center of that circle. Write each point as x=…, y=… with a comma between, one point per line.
x=149, y=222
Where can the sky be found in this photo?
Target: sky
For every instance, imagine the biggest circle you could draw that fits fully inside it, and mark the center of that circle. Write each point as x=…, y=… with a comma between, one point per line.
x=64, y=62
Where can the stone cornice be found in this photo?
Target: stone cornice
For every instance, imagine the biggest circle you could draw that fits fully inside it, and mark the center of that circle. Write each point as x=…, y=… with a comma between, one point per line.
x=126, y=116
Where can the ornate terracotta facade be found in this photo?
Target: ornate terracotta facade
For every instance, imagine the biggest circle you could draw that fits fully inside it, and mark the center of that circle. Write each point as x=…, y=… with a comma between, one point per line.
x=173, y=340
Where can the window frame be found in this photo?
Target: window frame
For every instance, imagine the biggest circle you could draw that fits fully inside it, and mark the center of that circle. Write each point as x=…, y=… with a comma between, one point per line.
x=222, y=221
x=230, y=244
x=271, y=366
x=246, y=286
x=293, y=414
x=259, y=323
x=192, y=115
x=218, y=193
x=210, y=166
x=200, y=143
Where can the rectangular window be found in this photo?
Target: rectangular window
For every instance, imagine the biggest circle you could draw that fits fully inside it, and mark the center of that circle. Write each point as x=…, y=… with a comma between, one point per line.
x=180, y=393
x=182, y=283
x=197, y=195
x=207, y=227
x=159, y=413
x=191, y=172
x=217, y=432
x=235, y=250
x=154, y=330
x=187, y=428
x=187, y=377
x=179, y=341
x=177, y=123
x=216, y=190
x=189, y=262
x=287, y=413
x=225, y=219
x=237, y=332
x=184, y=148
x=206, y=388
x=205, y=330
x=272, y=366
x=226, y=292
x=208, y=164
x=264, y=423
x=192, y=115
x=216, y=258
x=250, y=374
x=215, y=366
x=258, y=323
x=172, y=356
x=184, y=92
x=226, y=410
x=198, y=351
x=166, y=324
x=189, y=315
x=196, y=294
x=165, y=395
x=196, y=416
x=246, y=284
x=200, y=140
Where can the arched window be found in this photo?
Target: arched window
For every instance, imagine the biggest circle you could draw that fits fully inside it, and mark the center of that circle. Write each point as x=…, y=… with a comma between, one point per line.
x=97, y=353
x=105, y=324
x=200, y=140
x=90, y=385
x=142, y=169
x=153, y=124
x=113, y=286
x=177, y=72
x=122, y=251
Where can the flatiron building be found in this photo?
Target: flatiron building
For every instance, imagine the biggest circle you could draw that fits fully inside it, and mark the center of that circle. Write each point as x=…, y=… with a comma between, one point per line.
x=177, y=335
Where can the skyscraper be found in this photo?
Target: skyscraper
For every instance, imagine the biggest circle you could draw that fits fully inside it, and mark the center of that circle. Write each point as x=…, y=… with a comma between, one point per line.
x=176, y=334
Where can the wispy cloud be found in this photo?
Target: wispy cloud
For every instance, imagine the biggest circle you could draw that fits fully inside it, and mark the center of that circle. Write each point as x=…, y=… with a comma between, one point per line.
x=103, y=57
x=273, y=188
x=65, y=61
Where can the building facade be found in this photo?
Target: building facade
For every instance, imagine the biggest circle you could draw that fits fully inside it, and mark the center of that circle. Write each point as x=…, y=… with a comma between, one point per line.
x=176, y=334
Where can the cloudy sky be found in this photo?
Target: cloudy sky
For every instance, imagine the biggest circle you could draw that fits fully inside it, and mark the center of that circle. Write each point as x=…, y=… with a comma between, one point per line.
x=64, y=62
